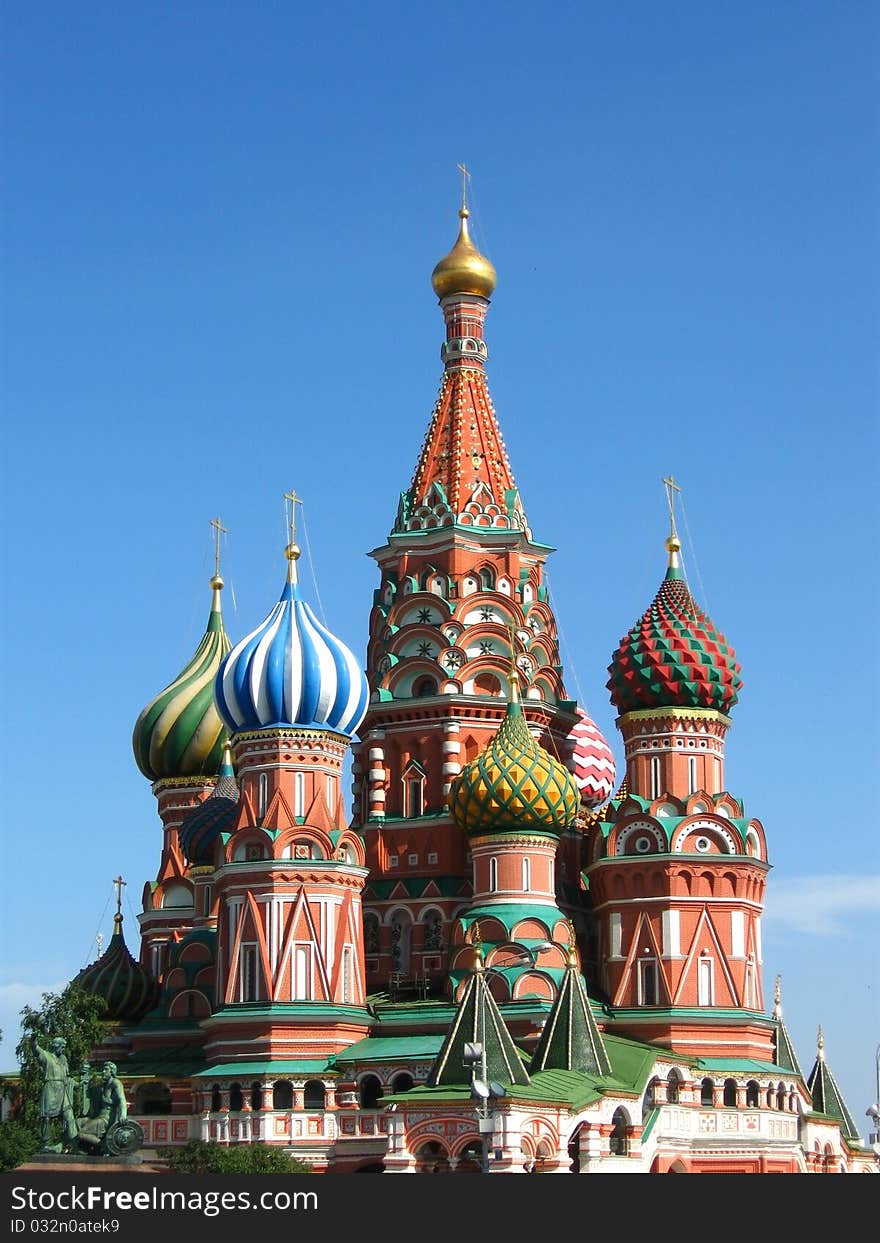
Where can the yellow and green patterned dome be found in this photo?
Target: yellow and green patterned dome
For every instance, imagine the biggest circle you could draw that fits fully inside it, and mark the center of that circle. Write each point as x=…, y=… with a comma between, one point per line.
x=514, y=784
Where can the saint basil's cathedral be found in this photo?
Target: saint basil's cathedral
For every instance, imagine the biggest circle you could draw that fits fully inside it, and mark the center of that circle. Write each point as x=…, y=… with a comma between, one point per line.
x=498, y=954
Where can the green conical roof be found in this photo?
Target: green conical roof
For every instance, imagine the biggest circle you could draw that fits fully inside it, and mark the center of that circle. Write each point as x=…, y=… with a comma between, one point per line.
x=570, y=1039
x=479, y=1020
x=827, y=1098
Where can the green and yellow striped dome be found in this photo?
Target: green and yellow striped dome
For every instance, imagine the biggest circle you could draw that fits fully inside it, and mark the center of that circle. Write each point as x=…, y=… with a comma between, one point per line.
x=514, y=784
x=180, y=733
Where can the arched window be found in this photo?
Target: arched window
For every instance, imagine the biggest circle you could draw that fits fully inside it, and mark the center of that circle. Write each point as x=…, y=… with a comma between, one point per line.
x=487, y=684
x=672, y=1088
x=402, y=1082
x=370, y=1092
x=401, y=929
x=413, y=789
x=752, y=1094
x=704, y=982
x=314, y=1094
x=780, y=1097
x=493, y=874
x=707, y=1092
x=619, y=1138
x=236, y=1098
x=648, y=982
x=371, y=933
x=282, y=1094
x=433, y=939
x=216, y=1098
x=152, y=1098
x=424, y=688
x=655, y=776
x=526, y=875
x=256, y=1097
x=432, y=1158
x=730, y=1092
x=299, y=794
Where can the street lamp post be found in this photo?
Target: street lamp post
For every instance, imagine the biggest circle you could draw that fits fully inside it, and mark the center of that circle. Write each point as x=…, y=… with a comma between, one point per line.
x=873, y=1111
x=483, y=1091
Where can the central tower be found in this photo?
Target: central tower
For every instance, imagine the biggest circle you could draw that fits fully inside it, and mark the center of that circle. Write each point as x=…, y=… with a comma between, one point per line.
x=461, y=598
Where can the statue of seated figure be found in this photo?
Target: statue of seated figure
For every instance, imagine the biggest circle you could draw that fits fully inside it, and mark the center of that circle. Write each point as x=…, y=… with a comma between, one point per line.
x=106, y=1107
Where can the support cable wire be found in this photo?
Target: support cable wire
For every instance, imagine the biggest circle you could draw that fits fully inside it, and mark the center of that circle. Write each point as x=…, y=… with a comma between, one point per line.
x=97, y=930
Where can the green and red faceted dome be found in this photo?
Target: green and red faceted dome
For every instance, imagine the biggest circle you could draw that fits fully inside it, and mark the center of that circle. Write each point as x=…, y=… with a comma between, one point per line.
x=673, y=657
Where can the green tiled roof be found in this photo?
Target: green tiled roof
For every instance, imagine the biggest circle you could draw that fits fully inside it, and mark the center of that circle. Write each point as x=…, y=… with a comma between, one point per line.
x=390, y=1048
x=478, y=1019
x=742, y=1065
x=166, y=1062
x=243, y=1070
x=570, y=1039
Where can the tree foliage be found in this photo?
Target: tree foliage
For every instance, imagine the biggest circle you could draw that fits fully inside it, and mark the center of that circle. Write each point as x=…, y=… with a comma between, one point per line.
x=201, y=1157
x=72, y=1014
x=18, y=1141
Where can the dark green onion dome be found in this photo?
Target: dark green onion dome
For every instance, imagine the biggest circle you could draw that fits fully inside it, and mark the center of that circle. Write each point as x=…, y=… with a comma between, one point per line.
x=673, y=657
x=202, y=826
x=179, y=733
x=514, y=784
x=129, y=990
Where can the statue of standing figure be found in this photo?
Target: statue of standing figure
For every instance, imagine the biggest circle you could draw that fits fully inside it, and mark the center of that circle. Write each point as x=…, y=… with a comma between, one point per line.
x=56, y=1099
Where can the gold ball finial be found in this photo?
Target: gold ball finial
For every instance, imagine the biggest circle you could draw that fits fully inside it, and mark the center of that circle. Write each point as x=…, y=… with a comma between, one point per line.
x=217, y=583
x=464, y=270
x=673, y=543
x=293, y=552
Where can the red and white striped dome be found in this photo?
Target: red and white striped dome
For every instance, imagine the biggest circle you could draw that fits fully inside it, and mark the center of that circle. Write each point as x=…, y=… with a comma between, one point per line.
x=592, y=763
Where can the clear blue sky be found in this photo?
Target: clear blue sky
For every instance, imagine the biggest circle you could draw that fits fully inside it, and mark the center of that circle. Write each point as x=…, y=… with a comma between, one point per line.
x=219, y=226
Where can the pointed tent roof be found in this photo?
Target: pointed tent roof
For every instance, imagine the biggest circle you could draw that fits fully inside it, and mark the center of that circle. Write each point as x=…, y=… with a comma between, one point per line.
x=784, y=1054
x=478, y=1019
x=570, y=1039
x=827, y=1098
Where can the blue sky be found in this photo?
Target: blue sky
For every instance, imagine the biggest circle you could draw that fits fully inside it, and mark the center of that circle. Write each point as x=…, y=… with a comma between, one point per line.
x=219, y=223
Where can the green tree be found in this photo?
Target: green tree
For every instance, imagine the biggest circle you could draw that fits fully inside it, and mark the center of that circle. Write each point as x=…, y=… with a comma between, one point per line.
x=72, y=1014
x=200, y=1157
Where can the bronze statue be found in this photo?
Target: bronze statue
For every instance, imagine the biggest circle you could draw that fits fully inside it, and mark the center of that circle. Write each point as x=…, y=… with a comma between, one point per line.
x=56, y=1099
x=107, y=1107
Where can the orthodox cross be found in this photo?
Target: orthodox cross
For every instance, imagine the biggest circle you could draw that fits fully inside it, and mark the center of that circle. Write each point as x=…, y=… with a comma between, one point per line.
x=671, y=488
x=119, y=883
x=465, y=178
x=99, y=941
x=294, y=500
x=219, y=530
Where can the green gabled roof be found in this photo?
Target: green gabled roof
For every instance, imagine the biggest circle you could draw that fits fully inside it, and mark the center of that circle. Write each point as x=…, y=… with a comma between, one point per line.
x=827, y=1098
x=632, y=1062
x=570, y=1039
x=392, y=1048
x=292, y=1010
x=478, y=1019
x=415, y=886
x=281, y=1067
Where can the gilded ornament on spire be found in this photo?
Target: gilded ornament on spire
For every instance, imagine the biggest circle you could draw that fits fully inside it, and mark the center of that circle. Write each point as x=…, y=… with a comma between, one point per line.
x=464, y=270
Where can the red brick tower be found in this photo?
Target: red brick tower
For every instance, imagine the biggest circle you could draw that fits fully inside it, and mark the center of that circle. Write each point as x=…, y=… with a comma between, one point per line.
x=677, y=872
x=461, y=594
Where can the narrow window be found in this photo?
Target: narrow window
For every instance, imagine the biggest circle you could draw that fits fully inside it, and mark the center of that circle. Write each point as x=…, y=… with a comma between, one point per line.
x=302, y=982
x=299, y=794
x=206, y=901
x=346, y=975
x=692, y=774
x=526, y=875
x=704, y=982
x=330, y=792
x=707, y=1092
x=648, y=983
x=248, y=964
x=655, y=776
x=493, y=874
x=262, y=795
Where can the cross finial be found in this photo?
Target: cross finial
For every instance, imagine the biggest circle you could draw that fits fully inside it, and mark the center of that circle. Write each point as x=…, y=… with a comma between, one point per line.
x=99, y=941
x=671, y=488
x=119, y=883
x=465, y=178
x=777, y=997
x=219, y=530
x=292, y=551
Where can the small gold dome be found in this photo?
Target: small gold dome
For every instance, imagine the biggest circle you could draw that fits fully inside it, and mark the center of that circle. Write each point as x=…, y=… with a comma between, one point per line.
x=464, y=269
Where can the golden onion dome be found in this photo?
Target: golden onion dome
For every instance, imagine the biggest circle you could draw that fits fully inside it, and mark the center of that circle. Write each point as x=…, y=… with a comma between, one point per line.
x=514, y=784
x=464, y=269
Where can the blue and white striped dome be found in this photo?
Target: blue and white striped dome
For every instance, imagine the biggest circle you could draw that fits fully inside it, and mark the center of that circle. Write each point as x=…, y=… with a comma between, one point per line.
x=291, y=671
